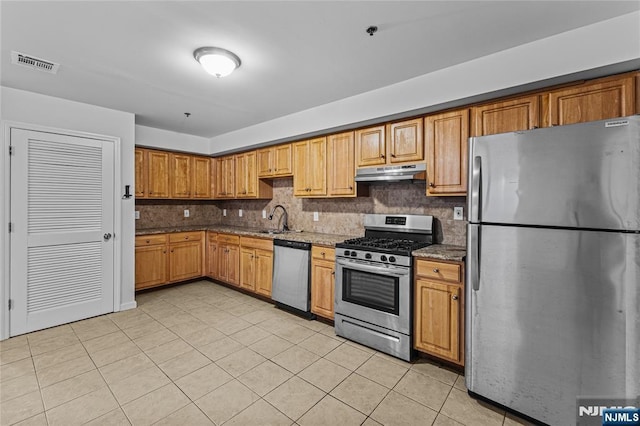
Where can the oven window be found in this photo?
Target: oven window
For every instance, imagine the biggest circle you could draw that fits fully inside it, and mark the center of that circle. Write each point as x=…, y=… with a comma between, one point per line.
x=371, y=290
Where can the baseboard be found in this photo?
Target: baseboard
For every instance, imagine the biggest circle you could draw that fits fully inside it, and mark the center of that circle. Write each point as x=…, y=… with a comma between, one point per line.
x=128, y=305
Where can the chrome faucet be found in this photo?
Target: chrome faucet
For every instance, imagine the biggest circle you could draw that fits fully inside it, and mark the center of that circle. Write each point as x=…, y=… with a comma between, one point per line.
x=284, y=217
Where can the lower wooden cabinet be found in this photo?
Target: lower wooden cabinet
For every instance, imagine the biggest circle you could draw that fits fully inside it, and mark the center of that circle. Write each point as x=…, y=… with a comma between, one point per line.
x=151, y=261
x=256, y=265
x=322, y=280
x=229, y=258
x=166, y=258
x=439, y=309
x=212, y=255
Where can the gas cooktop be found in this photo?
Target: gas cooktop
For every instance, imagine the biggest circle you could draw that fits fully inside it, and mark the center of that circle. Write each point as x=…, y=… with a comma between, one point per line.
x=383, y=245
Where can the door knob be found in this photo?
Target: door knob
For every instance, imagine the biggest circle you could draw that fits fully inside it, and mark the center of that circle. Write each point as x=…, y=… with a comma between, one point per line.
x=107, y=236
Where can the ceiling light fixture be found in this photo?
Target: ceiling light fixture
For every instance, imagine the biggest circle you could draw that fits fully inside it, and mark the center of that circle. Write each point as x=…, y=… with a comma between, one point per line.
x=217, y=61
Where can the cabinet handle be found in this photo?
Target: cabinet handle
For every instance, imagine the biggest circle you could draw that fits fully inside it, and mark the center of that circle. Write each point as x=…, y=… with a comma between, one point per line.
x=186, y=238
x=171, y=250
x=393, y=155
x=148, y=241
x=150, y=192
x=454, y=297
x=436, y=270
x=164, y=252
x=432, y=185
x=322, y=254
x=275, y=170
x=350, y=188
x=333, y=273
x=381, y=155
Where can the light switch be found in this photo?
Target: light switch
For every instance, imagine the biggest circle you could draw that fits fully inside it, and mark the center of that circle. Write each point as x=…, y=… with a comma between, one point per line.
x=316, y=216
x=224, y=212
x=137, y=214
x=186, y=212
x=264, y=214
x=239, y=212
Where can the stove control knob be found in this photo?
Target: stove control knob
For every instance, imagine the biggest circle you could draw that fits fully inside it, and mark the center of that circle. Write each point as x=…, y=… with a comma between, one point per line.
x=383, y=258
x=354, y=254
x=347, y=252
x=367, y=256
x=392, y=259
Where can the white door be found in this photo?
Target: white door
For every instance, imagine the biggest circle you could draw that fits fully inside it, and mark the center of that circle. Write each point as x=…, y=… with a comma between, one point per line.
x=62, y=216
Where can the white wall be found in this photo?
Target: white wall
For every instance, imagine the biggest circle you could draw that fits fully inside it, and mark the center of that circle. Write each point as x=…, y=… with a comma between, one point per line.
x=164, y=139
x=32, y=108
x=605, y=43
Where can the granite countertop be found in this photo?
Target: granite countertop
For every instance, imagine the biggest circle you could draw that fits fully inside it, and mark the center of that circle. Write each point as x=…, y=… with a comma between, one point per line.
x=436, y=251
x=442, y=252
x=308, y=237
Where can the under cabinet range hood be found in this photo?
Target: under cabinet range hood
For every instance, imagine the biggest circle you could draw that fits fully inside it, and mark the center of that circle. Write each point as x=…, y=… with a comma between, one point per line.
x=411, y=172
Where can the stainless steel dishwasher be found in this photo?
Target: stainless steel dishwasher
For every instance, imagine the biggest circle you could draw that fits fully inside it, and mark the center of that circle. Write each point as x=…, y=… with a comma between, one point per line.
x=291, y=276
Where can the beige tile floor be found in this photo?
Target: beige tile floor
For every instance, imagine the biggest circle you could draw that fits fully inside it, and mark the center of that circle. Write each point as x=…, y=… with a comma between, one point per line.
x=203, y=354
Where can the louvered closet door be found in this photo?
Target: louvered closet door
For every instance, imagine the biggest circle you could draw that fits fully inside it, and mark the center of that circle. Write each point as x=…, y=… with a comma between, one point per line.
x=61, y=209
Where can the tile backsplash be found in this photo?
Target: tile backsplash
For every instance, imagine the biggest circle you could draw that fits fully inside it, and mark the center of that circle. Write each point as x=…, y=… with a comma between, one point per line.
x=336, y=215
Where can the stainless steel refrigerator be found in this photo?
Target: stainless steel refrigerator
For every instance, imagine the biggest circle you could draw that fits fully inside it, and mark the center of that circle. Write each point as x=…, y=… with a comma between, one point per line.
x=553, y=267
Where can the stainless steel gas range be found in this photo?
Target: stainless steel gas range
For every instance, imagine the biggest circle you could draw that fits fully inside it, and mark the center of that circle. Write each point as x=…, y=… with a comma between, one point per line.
x=374, y=282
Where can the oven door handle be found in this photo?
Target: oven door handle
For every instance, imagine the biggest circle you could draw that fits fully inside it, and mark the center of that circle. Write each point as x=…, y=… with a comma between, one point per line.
x=399, y=272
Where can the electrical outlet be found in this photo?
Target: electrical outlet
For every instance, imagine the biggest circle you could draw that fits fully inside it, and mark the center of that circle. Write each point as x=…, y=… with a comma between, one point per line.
x=137, y=214
x=264, y=214
x=458, y=213
x=186, y=212
x=316, y=216
x=224, y=212
x=239, y=212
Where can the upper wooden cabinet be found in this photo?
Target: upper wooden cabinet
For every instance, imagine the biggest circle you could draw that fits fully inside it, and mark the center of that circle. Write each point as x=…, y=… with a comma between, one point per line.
x=180, y=175
x=395, y=143
x=506, y=116
x=275, y=161
x=201, y=181
x=158, y=174
x=225, y=177
x=371, y=146
x=406, y=144
x=310, y=169
x=161, y=174
x=341, y=168
x=600, y=99
x=247, y=184
x=141, y=172
x=446, y=138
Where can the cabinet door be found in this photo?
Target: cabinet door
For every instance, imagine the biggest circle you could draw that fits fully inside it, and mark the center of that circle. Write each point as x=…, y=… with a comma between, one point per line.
x=317, y=166
x=223, y=262
x=151, y=266
x=219, y=178
x=141, y=173
x=264, y=272
x=212, y=259
x=158, y=176
x=341, y=165
x=371, y=148
x=300, y=165
x=446, y=139
x=233, y=254
x=281, y=160
x=250, y=177
x=201, y=184
x=406, y=143
x=437, y=319
x=180, y=176
x=507, y=116
x=322, y=288
x=265, y=162
x=597, y=100
x=230, y=176
x=241, y=175
x=247, y=269
x=185, y=261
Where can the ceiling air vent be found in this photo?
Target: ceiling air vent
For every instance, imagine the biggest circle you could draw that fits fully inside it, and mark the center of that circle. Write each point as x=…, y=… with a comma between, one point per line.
x=32, y=62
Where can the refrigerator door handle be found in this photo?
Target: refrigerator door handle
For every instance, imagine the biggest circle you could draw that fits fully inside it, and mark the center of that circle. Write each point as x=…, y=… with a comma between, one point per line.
x=476, y=186
x=473, y=256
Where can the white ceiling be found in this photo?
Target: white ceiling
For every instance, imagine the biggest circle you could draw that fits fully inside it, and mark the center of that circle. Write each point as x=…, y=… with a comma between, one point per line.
x=137, y=56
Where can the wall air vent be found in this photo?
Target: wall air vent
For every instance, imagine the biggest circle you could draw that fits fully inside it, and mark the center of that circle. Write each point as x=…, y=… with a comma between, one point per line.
x=32, y=62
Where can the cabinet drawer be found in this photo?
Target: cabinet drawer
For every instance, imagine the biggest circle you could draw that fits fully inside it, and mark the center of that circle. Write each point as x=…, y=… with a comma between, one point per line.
x=258, y=243
x=439, y=271
x=212, y=237
x=151, y=240
x=323, y=253
x=228, y=238
x=179, y=237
